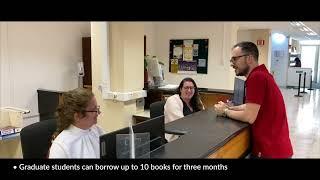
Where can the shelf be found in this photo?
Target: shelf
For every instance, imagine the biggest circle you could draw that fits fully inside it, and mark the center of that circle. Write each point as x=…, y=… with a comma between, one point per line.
x=9, y=137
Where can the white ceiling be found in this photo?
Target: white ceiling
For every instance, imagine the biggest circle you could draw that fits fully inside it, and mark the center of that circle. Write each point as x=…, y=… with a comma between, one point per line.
x=283, y=27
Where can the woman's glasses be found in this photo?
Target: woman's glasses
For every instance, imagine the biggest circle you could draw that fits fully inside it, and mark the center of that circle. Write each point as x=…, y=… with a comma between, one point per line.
x=188, y=87
x=96, y=111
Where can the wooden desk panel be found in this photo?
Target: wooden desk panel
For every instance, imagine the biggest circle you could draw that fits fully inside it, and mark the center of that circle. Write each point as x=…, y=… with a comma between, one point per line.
x=235, y=148
x=210, y=99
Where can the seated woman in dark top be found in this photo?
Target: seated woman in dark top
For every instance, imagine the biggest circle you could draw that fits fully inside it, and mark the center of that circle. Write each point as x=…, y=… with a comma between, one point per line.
x=186, y=102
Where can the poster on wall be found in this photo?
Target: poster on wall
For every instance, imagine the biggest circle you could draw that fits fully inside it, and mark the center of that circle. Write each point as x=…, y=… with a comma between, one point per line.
x=187, y=67
x=177, y=52
x=188, y=56
x=188, y=50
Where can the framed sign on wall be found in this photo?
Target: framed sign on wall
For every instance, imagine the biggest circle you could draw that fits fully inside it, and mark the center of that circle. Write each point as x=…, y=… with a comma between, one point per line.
x=189, y=56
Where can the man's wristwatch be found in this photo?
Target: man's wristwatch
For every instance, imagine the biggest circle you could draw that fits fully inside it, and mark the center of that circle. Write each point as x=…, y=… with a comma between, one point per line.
x=225, y=112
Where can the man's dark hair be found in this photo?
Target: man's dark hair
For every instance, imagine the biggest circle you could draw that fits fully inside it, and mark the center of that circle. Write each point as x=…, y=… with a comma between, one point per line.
x=248, y=48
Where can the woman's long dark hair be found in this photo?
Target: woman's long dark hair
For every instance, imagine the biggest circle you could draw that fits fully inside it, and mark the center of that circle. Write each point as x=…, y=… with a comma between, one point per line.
x=195, y=100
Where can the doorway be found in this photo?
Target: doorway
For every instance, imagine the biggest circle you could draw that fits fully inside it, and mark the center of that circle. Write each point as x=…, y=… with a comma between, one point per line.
x=310, y=59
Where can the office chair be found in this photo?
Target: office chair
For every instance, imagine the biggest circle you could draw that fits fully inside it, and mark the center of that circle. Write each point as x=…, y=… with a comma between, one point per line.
x=36, y=138
x=157, y=109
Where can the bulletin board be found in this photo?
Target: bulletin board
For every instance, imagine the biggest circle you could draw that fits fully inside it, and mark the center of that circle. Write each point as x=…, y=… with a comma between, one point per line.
x=189, y=56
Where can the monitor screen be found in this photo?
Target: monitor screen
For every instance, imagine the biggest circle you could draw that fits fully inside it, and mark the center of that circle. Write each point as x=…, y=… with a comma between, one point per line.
x=154, y=126
x=239, y=92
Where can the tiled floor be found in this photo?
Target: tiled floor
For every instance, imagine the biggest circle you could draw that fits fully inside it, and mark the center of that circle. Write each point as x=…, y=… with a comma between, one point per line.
x=304, y=122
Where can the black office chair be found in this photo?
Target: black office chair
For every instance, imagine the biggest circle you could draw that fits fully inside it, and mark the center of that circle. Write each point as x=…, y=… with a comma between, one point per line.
x=36, y=139
x=157, y=109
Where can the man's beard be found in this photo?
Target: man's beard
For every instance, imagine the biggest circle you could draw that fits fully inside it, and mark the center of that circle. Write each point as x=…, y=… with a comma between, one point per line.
x=244, y=72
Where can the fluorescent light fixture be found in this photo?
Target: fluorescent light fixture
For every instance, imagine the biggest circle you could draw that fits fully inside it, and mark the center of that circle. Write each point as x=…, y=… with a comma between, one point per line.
x=294, y=23
x=305, y=29
x=312, y=33
x=302, y=24
x=302, y=27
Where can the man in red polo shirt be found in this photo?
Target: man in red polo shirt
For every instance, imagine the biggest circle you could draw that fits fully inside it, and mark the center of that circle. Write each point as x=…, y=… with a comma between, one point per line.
x=264, y=107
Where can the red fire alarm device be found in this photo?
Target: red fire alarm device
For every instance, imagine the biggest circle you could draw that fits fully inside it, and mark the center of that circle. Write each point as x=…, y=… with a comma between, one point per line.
x=260, y=42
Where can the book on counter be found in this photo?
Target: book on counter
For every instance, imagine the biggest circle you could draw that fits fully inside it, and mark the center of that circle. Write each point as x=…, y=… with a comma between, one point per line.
x=8, y=131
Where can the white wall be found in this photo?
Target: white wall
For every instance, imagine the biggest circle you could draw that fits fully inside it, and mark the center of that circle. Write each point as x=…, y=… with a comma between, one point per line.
x=221, y=39
x=149, y=31
x=253, y=36
x=38, y=55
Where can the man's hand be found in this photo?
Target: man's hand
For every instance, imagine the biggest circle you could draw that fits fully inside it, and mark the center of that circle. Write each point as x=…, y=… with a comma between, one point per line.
x=220, y=108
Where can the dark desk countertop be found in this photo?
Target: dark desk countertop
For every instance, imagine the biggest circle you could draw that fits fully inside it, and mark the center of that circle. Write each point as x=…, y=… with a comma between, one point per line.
x=205, y=133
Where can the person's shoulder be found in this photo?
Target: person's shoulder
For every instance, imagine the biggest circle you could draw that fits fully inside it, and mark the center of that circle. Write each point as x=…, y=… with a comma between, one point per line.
x=260, y=73
x=174, y=97
x=98, y=130
x=173, y=101
x=65, y=134
x=259, y=76
x=260, y=70
x=62, y=140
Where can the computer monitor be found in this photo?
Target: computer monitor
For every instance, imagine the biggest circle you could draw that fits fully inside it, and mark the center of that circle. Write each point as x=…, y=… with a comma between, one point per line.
x=238, y=92
x=153, y=126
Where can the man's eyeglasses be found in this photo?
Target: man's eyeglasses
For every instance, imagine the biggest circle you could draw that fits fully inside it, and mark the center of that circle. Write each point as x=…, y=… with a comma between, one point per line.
x=96, y=111
x=235, y=58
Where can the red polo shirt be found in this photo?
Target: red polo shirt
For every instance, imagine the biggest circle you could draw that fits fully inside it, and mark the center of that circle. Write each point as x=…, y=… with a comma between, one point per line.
x=270, y=132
